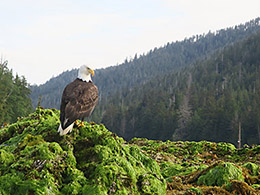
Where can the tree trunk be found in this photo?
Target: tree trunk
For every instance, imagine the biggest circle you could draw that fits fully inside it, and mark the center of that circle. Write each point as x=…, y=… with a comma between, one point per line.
x=239, y=135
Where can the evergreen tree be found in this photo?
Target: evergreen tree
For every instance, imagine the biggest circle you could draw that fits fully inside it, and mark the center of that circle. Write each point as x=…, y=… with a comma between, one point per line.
x=14, y=95
x=149, y=96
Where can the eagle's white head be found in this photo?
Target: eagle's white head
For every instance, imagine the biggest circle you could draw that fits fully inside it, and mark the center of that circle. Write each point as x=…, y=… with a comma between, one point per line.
x=84, y=73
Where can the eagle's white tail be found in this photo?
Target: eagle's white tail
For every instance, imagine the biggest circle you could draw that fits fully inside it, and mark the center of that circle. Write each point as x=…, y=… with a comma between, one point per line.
x=65, y=131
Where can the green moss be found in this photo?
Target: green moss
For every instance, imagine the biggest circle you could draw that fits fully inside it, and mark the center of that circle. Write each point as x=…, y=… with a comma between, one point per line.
x=16, y=183
x=30, y=140
x=35, y=159
x=73, y=182
x=94, y=189
x=90, y=160
x=6, y=158
x=221, y=174
x=184, y=164
x=193, y=190
x=252, y=167
x=148, y=184
x=239, y=187
x=119, y=168
x=172, y=169
x=256, y=186
x=225, y=148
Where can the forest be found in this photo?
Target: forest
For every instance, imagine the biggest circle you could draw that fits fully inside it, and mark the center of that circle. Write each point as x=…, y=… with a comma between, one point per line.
x=205, y=87
x=207, y=101
x=14, y=95
x=145, y=67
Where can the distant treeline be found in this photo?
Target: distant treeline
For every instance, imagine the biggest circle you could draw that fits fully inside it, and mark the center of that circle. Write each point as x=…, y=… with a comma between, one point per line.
x=143, y=68
x=207, y=101
x=203, y=87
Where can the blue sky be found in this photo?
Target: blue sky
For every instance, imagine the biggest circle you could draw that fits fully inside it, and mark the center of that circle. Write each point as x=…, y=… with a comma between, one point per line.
x=42, y=38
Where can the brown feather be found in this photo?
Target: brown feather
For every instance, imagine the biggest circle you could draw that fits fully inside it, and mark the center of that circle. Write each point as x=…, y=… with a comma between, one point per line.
x=78, y=101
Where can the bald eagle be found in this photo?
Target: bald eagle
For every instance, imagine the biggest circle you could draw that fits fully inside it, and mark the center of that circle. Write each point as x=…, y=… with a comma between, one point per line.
x=78, y=100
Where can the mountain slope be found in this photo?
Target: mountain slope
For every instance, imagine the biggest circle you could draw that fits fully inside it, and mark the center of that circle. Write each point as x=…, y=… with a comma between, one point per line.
x=207, y=101
x=139, y=70
x=49, y=94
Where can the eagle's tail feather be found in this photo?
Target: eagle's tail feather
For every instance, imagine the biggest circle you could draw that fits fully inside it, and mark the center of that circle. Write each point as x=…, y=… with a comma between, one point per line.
x=65, y=131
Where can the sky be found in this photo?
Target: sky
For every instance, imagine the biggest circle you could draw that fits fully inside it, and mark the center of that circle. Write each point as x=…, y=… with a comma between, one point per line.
x=42, y=38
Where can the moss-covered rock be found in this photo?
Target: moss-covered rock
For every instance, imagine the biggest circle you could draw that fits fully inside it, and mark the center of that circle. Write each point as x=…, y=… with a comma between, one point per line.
x=34, y=159
x=252, y=167
x=239, y=187
x=187, y=164
x=221, y=174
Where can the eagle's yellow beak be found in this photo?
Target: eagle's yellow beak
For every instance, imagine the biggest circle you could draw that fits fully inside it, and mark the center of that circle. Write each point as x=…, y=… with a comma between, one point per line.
x=91, y=72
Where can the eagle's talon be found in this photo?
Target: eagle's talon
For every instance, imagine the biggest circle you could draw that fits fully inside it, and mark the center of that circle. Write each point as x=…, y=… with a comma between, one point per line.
x=81, y=124
x=77, y=122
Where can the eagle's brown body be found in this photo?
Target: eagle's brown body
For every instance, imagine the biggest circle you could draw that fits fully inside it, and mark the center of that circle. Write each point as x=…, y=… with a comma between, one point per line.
x=78, y=101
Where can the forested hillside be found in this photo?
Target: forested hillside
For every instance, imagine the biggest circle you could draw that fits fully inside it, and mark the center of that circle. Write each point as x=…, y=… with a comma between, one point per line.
x=152, y=65
x=14, y=95
x=48, y=95
x=208, y=101
x=202, y=88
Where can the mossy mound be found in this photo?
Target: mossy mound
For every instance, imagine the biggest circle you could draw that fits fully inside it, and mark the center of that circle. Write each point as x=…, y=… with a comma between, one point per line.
x=252, y=168
x=221, y=174
x=34, y=159
x=205, y=167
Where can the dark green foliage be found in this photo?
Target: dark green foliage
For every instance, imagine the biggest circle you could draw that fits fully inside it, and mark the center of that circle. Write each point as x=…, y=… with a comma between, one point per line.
x=206, y=101
x=113, y=81
x=14, y=95
x=50, y=93
x=225, y=98
x=34, y=159
x=200, y=88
